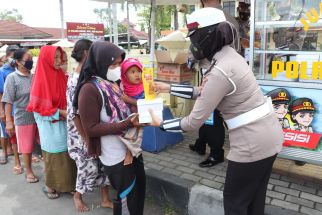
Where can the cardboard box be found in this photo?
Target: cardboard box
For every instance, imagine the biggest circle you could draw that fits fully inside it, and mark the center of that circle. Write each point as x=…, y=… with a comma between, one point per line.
x=143, y=109
x=172, y=67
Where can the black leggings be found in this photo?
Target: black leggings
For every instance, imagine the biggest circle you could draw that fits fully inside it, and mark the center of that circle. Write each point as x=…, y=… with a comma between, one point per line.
x=129, y=182
x=214, y=135
x=246, y=185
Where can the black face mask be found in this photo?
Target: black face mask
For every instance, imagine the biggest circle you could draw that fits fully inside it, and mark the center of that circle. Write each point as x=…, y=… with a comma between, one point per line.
x=244, y=16
x=206, y=42
x=199, y=43
x=196, y=51
x=28, y=64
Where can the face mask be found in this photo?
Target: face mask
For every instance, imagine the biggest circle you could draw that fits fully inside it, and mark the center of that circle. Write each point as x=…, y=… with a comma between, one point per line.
x=28, y=64
x=113, y=74
x=244, y=16
x=196, y=51
x=200, y=43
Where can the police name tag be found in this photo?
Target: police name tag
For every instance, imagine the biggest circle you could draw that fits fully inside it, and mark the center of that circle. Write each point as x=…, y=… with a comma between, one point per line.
x=210, y=120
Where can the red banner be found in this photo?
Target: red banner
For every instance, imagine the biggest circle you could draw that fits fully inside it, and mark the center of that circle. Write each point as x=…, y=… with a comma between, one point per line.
x=301, y=139
x=76, y=31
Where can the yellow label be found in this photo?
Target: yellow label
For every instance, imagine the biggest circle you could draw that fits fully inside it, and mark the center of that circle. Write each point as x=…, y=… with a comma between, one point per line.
x=295, y=70
x=147, y=78
x=312, y=16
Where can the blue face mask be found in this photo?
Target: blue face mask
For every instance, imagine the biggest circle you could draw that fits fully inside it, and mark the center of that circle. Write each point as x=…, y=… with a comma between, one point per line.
x=28, y=64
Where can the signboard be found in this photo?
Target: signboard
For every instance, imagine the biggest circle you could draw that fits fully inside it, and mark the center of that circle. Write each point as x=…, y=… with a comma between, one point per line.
x=299, y=111
x=76, y=31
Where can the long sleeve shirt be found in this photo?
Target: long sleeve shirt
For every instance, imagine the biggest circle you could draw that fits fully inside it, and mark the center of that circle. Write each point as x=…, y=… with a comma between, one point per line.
x=252, y=142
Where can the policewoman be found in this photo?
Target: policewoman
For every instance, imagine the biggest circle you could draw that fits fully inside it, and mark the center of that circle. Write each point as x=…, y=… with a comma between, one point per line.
x=254, y=131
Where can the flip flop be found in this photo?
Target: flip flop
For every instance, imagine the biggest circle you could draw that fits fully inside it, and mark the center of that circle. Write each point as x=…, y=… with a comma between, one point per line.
x=17, y=170
x=50, y=195
x=32, y=179
x=3, y=160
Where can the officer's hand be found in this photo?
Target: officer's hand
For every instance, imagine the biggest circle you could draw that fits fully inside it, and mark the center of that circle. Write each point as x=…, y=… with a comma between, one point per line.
x=156, y=121
x=160, y=87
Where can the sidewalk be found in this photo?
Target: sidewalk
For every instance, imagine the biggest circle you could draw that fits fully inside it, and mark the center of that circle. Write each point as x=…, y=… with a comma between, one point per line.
x=17, y=197
x=291, y=187
x=175, y=175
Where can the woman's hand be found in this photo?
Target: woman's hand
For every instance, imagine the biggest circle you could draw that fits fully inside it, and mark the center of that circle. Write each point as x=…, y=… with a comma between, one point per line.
x=10, y=127
x=135, y=121
x=160, y=87
x=134, y=118
x=156, y=121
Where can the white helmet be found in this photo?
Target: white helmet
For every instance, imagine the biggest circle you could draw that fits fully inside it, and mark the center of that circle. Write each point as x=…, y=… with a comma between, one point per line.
x=204, y=17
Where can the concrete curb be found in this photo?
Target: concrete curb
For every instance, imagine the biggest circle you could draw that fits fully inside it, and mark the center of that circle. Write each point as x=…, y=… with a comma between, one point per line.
x=187, y=197
x=169, y=189
x=204, y=199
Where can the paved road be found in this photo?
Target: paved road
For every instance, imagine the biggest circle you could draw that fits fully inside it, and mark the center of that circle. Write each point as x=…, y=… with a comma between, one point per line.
x=17, y=197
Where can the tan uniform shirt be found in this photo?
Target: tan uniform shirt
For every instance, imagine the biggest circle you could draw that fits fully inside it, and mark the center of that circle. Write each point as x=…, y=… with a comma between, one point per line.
x=252, y=142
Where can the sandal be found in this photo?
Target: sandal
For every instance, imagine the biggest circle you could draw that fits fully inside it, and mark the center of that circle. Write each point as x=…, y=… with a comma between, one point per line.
x=32, y=179
x=3, y=160
x=50, y=195
x=17, y=170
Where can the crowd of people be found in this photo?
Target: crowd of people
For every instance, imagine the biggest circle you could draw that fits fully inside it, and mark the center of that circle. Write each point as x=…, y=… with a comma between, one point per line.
x=87, y=132
x=87, y=125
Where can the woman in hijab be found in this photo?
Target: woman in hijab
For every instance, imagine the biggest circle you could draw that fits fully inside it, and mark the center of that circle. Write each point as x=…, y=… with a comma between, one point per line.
x=255, y=133
x=104, y=117
x=89, y=174
x=48, y=103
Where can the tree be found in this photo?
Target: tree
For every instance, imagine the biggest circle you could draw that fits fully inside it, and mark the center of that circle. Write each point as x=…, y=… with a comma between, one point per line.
x=103, y=14
x=12, y=15
x=163, y=16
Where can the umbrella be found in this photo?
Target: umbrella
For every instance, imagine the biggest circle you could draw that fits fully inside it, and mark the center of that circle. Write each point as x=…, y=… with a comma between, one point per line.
x=153, y=3
x=64, y=43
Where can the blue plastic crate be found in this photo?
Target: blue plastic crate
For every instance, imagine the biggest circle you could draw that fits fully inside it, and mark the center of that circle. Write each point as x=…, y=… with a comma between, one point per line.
x=155, y=140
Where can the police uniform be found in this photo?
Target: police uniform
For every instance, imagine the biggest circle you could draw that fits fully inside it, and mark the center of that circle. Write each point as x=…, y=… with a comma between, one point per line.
x=255, y=134
x=281, y=96
x=301, y=105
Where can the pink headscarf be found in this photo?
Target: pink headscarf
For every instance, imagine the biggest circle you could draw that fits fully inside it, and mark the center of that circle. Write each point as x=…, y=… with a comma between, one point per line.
x=129, y=88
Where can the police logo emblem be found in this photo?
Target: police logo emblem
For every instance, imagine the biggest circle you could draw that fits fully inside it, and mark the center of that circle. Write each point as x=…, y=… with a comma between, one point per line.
x=307, y=104
x=282, y=95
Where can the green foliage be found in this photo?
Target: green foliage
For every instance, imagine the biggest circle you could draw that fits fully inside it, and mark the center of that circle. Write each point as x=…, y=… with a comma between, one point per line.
x=163, y=17
x=103, y=16
x=122, y=28
x=35, y=52
x=12, y=15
